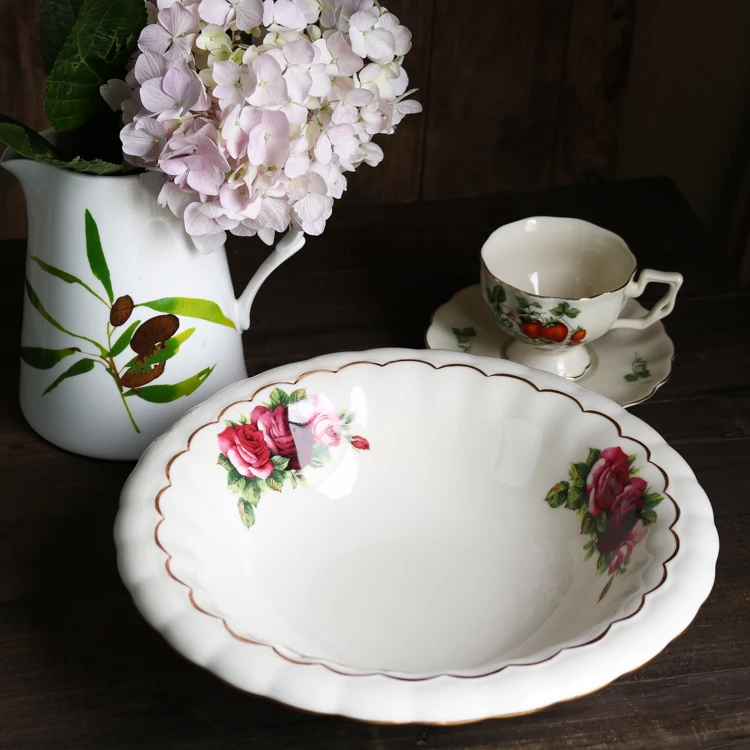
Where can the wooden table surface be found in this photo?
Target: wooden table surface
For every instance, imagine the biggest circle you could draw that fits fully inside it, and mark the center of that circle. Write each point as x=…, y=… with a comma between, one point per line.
x=79, y=668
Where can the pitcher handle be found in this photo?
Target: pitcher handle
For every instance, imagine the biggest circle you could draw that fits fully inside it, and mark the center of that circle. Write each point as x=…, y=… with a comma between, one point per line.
x=287, y=246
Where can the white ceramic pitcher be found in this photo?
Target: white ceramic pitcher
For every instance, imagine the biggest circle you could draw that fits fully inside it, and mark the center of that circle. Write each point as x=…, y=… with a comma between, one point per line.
x=125, y=324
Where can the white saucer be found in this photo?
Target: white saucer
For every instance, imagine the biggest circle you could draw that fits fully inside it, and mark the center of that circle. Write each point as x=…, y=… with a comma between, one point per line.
x=627, y=366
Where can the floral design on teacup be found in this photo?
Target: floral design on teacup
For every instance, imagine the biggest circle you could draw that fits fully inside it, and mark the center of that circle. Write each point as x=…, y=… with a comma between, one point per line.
x=614, y=505
x=528, y=320
x=278, y=441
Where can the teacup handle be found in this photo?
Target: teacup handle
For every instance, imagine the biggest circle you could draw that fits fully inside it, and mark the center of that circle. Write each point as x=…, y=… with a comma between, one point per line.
x=662, y=308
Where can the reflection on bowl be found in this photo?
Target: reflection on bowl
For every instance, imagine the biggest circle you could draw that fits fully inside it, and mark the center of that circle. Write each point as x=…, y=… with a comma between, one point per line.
x=416, y=521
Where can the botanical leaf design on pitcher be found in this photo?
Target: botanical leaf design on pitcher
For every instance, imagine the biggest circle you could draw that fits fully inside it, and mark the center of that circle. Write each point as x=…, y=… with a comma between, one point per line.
x=154, y=341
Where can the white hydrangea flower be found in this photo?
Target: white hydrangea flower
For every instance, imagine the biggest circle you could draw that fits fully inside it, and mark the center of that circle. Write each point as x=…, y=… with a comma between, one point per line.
x=251, y=111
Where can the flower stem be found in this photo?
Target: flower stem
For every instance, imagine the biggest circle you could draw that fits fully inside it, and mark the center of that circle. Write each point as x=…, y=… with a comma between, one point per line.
x=130, y=414
x=116, y=378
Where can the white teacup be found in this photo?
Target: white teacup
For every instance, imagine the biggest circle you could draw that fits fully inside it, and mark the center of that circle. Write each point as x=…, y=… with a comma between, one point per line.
x=556, y=284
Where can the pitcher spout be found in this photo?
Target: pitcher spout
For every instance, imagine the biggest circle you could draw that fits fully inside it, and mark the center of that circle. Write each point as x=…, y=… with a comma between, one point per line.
x=32, y=175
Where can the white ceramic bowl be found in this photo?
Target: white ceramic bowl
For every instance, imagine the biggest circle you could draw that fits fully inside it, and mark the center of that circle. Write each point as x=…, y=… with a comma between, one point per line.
x=414, y=536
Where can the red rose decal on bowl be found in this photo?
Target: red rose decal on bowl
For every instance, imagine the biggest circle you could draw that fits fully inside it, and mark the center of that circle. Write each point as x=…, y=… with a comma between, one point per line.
x=317, y=415
x=607, y=479
x=625, y=549
x=623, y=515
x=282, y=438
x=614, y=506
x=278, y=435
x=245, y=446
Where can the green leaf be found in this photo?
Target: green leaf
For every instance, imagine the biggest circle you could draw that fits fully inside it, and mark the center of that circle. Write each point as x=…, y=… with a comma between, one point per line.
x=603, y=562
x=79, y=368
x=590, y=553
x=557, y=495
x=601, y=522
x=230, y=423
x=588, y=524
x=55, y=24
x=573, y=312
x=632, y=458
x=576, y=499
x=39, y=307
x=648, y=517
x=631, y=378
x=300, y=477
x=278, y=398
x=279, y=462
x=97, y=261
x=559, y=310
x=29, y=144
x=164, y=394
x=190, y=308
x=577, y=480
x=121, y=344
x=235, y=480
x=68, y=278
x=96, y=49
x=274, y=483
x=225, y=462
x=243, y=417
x=594, y=454
x=320, y=455
x=652, y=499
x=298, y=395
x=247, y=514
x=583, y=470
x=252, y=491
x=45, y=359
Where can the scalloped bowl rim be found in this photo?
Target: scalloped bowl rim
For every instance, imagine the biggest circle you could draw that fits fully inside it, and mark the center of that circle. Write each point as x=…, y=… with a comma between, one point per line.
x=314, y=686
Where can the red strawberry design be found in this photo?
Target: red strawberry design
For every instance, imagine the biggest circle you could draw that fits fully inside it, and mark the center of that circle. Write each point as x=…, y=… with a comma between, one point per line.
x=556, y=332
x=531, y=328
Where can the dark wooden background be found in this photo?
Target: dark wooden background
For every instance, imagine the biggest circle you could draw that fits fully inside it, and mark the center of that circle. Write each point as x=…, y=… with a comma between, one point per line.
x=518, y=95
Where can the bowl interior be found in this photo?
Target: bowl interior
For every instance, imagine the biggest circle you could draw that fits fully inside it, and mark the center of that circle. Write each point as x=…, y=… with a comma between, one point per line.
x=558, y=257
x=434, y=525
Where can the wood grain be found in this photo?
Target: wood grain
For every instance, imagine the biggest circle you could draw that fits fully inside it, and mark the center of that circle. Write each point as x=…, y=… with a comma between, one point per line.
x=494, y=87
x=398, y=179
x=517, y=95
x=80, y=668
x=22, y=81
x=597, y=60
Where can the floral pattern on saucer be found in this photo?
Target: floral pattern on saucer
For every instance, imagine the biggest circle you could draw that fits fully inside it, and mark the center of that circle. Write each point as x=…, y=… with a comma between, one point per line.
x=613, y=504
x=279, y=440
x=627, y=365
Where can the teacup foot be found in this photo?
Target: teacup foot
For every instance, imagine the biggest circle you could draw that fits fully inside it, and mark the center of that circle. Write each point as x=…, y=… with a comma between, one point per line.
x=570, y=364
